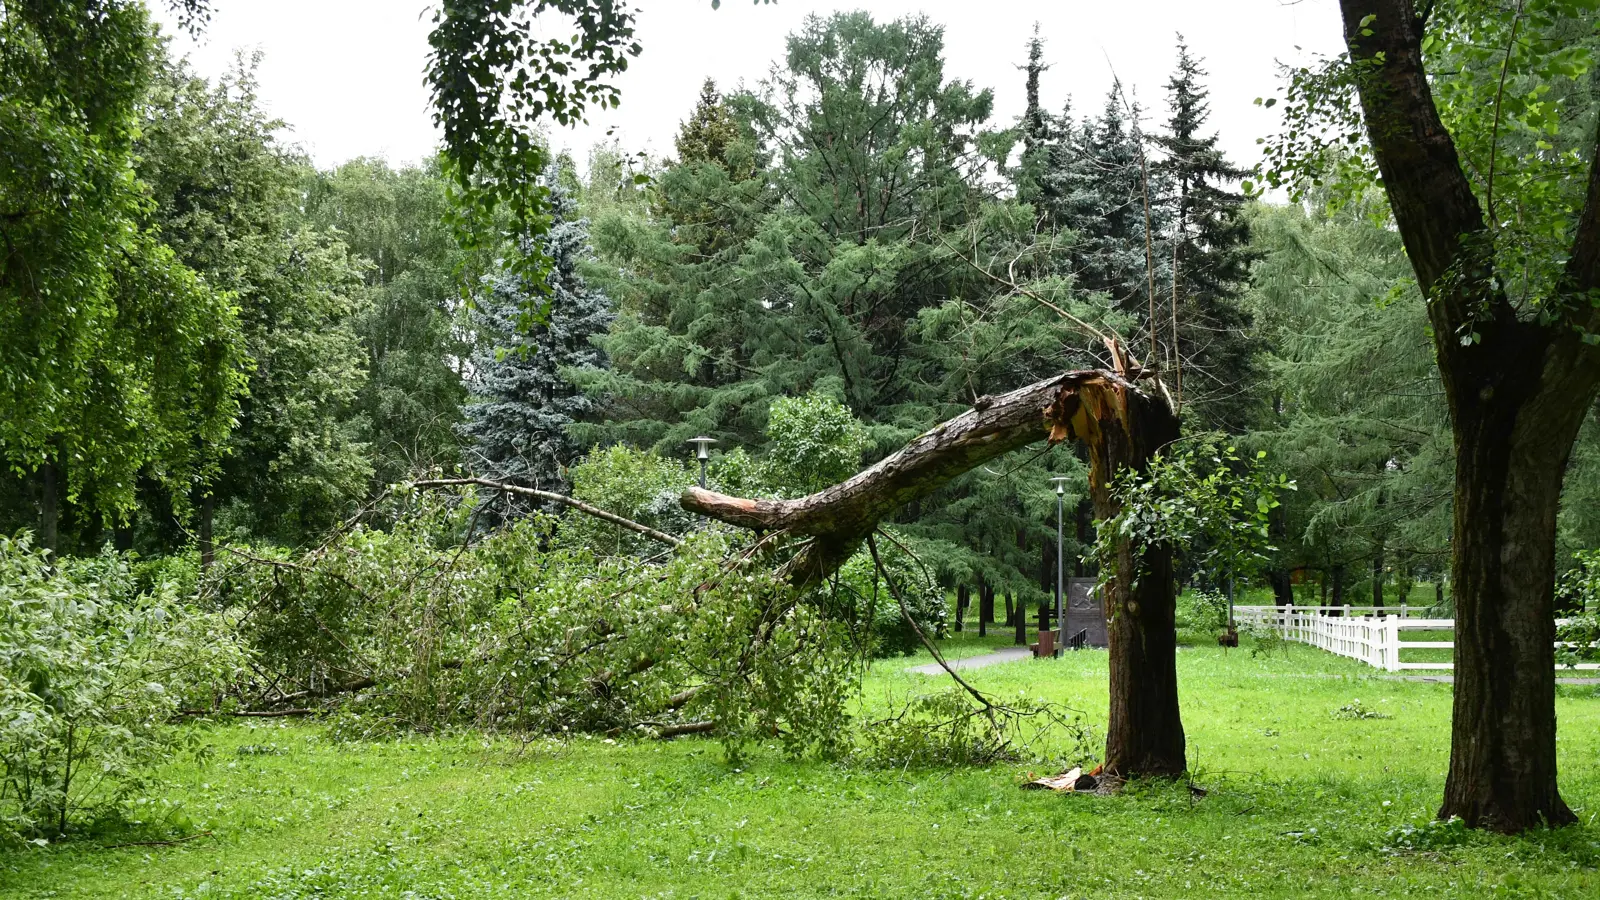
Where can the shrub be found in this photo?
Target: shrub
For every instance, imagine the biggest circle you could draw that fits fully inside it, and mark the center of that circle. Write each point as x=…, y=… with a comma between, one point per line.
x=814, y=442
x=92, y=671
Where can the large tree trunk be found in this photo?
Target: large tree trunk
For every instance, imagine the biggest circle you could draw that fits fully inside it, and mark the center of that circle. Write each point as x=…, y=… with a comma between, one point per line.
x=1123, y=428
x=1511, y=455
x=1145, y=733
x=1517, y=388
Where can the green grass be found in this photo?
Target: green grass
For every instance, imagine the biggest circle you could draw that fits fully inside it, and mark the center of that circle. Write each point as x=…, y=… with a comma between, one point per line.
x=1300, y=804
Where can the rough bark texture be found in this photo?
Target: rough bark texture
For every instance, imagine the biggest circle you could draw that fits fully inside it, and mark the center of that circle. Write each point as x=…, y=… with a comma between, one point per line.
x=1123, y=428
x=1517, y=394
x=1145, y=733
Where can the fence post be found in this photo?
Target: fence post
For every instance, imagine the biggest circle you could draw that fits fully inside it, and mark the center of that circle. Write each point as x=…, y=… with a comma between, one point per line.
x=1392, y=658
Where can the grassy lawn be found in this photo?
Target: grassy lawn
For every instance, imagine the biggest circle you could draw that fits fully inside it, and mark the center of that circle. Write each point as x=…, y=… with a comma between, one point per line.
x=1301, y=803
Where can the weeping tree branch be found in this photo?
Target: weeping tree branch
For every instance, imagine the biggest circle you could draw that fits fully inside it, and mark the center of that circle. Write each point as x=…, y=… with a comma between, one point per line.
x=553, y=497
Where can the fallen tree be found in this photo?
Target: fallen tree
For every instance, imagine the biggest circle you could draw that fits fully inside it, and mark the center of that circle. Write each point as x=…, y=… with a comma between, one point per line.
x=1123, y=423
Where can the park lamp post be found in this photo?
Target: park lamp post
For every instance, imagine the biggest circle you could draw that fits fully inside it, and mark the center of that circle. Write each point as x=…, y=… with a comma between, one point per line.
x=1061, y=607
x=702, y=452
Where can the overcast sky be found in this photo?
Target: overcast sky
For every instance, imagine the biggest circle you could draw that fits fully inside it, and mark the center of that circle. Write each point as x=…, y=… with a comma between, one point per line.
x=347, y=74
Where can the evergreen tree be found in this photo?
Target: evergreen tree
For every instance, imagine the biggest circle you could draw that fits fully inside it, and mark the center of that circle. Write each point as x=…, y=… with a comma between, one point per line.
x=1108, y=196
x=524, y=401
x=1031, y=176
x=1208, y=256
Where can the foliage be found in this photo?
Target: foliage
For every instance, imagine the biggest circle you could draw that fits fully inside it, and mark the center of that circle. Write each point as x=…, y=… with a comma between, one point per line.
x=1203, y=611
x=391, y=220
x=1204, y=500
x=637, y=485
x=523, y=401
x=1358, y=419
x=1356, y=710
x=494, y=83
x=119, y=362
x=1266, y=640
x=1580, y=585
x=91, y=671
x=227, y=196
x=509, y=633
x=937, y=730
x=813, y=442
x=864, y=595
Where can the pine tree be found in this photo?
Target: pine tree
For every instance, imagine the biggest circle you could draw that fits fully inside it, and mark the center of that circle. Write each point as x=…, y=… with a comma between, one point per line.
x=1208, y=257
x=523, y=399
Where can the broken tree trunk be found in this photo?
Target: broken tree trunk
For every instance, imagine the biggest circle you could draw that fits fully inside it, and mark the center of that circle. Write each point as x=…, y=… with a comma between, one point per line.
x=1123, y=427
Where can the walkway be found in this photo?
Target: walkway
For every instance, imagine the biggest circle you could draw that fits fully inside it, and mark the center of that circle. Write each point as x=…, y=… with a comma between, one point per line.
x=1007, y=654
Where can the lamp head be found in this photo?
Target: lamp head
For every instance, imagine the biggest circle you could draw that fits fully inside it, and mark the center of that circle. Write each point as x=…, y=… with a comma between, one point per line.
x=1060, y=481
x=702, y=447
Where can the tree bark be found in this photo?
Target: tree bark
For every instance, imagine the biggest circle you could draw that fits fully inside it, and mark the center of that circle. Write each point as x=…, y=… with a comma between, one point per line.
x=840, y=517
x=1144, y=736
x=1377, y=580
x=208, y=548
x=961, y=607
x=1517, y=390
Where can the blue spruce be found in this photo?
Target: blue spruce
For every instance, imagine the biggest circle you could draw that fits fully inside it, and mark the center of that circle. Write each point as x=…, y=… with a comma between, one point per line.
x=523, y=400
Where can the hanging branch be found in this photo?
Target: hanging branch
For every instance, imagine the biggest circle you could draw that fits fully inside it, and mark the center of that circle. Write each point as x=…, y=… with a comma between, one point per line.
x=905, y=613
x=553, y=497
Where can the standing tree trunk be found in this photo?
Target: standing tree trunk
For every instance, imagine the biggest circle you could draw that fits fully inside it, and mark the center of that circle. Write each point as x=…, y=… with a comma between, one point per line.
x=961, y=606
x=1338, y=588
x=1518, y=387
x=985, y=606
x=49, y=507
x=1144, y=736
x=208, y=548
x=1512, y=456
x=1377, y=580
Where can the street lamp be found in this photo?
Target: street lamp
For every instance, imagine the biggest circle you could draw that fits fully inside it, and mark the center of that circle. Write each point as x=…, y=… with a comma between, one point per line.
x=702, y=452
x=1061, y=607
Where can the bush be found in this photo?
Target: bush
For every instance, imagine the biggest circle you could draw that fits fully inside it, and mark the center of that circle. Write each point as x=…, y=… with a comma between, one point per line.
x=92, y=671
x=1202, y=613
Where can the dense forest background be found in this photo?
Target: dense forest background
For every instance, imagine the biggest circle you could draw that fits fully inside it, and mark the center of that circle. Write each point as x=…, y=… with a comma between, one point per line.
x=852, y=248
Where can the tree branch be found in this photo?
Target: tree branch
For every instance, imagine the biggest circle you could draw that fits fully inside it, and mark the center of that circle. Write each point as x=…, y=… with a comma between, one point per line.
x=838, y=518
x=1433, y=203
x=553, y=497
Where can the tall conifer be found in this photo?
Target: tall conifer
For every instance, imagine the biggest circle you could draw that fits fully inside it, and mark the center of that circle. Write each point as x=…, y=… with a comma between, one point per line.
x=523, y=399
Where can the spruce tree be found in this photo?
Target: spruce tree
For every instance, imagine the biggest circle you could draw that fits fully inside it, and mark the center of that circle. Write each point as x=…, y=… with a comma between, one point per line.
x=1105, y=186
x=523, y=400
x=1208, y=257
x=1032, y=175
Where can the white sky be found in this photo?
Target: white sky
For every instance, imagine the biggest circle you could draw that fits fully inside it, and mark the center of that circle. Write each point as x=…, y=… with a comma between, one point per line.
x=347, y=74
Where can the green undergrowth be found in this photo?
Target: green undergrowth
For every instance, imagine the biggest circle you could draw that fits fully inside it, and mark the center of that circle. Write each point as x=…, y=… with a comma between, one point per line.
x=1303, y=799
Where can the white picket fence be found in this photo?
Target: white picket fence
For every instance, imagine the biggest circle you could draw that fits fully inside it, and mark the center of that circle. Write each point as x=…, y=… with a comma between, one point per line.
x=1365, y=633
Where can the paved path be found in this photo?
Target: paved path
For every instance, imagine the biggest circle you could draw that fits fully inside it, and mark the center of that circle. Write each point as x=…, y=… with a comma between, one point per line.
x=1007, y=654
